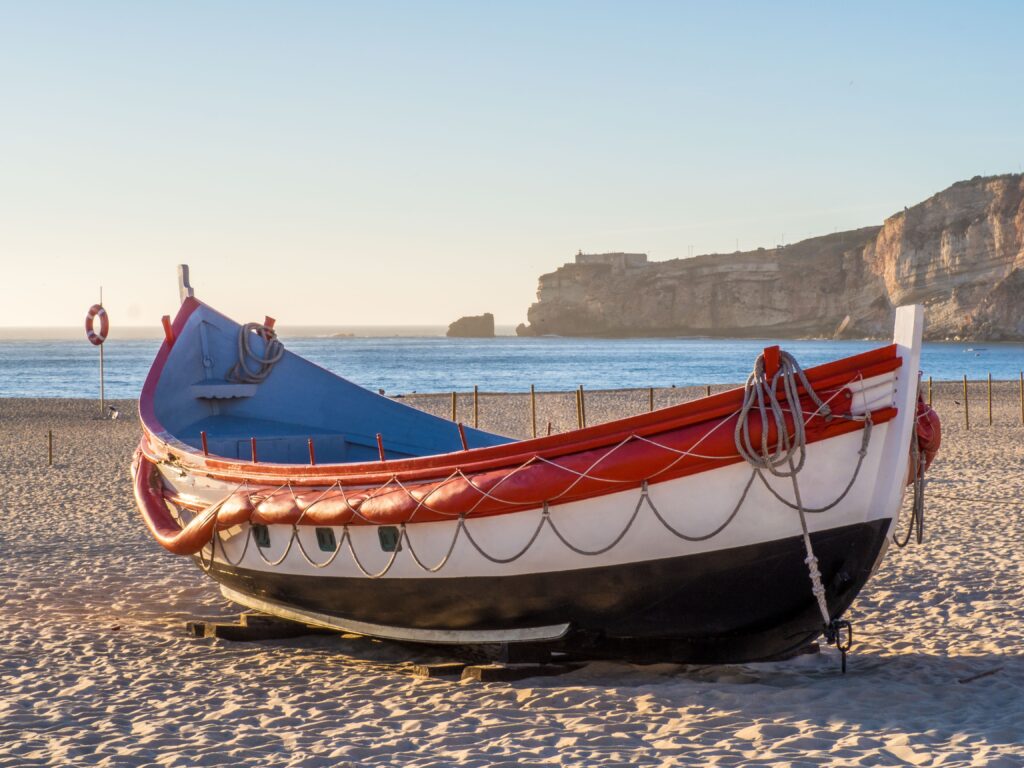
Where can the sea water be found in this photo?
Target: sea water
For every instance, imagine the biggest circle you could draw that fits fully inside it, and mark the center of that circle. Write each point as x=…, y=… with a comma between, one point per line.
x=433, y=363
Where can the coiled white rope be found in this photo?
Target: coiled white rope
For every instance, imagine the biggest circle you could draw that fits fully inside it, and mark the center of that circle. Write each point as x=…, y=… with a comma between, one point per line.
x=273, y=351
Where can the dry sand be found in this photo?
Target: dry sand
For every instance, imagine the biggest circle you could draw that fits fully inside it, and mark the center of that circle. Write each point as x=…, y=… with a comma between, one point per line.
x=95, y=668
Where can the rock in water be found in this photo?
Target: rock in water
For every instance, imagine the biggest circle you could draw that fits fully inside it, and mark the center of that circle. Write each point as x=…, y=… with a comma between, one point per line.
x=473, y=327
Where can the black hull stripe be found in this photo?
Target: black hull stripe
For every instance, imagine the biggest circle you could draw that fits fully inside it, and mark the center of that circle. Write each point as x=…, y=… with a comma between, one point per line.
x=739, y=604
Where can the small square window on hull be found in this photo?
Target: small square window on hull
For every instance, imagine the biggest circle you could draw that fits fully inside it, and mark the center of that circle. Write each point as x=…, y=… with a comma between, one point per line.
x=390, y=538
x=326, y=540
x=261, y=534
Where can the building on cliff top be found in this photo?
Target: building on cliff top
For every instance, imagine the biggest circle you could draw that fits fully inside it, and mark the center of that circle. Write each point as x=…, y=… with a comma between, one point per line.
x=618, y=261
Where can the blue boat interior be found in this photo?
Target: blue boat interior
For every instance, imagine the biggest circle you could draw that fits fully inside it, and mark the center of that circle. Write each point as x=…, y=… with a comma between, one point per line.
x=297, y=402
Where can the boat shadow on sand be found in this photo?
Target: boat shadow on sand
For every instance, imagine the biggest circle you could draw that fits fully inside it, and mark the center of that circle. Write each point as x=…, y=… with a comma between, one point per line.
x=948, y=698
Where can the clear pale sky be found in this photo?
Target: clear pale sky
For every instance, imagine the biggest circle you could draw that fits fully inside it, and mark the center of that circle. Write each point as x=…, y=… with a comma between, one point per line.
x=400, y=163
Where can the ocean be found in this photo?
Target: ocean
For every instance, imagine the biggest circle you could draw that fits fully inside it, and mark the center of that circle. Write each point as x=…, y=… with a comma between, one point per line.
x=433, y=363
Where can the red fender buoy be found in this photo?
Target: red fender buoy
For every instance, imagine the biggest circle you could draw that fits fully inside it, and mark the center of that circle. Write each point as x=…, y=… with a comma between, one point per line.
x=97, y=338
x=928, y=433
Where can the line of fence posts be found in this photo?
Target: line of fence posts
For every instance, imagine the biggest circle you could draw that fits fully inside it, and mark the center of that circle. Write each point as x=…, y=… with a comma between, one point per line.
x=581, y=406
x=967, y=403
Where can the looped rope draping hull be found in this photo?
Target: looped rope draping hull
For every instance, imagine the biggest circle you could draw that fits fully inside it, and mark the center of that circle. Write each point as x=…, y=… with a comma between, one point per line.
x=490, y=493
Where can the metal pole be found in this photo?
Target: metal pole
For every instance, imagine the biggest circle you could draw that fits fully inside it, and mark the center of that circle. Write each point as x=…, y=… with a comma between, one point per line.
x=709, y=390
x=476, y=406
x=533, y=409
x=582, y=407
x=967, y=416
x=102, y=398
x=650, y=398
x=453, y=407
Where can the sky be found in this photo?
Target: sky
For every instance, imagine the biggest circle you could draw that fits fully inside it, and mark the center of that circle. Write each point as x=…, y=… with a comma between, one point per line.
x=336, y=163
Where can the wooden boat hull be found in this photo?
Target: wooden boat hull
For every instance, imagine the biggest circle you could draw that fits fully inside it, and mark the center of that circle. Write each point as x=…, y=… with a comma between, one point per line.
x=650, y=527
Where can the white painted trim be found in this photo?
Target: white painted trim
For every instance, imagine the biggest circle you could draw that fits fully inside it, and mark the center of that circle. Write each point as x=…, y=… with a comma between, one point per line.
x=409, y=634
x=896, y=451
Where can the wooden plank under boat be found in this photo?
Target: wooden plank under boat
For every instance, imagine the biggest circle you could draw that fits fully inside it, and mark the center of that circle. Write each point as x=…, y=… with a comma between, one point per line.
x=653, y=526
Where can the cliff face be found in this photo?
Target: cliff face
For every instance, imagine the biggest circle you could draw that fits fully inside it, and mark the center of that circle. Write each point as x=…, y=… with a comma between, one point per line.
x=960, y=253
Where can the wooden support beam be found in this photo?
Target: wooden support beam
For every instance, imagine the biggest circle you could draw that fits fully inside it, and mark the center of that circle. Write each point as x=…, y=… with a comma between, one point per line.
x=503, y=673
x=442, y=669
x=252, y=627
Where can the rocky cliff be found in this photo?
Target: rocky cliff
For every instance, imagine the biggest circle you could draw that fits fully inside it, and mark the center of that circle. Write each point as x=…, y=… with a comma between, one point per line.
x=960, y=253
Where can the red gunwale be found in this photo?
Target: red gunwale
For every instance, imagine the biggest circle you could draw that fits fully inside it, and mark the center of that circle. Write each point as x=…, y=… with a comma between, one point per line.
x=829, y=376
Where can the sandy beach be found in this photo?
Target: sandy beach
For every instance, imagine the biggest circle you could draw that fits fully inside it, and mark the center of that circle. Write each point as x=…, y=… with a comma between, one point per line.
x=96, y=668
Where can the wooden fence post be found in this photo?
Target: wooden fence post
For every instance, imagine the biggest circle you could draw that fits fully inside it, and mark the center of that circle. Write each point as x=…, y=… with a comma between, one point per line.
x=533, y=409
x=967, y=413
x=49, y=448
x=650, y=399
x=476, y=406
x=454, y=407
x=581, y=408
x=929, y=391
x=990, y=399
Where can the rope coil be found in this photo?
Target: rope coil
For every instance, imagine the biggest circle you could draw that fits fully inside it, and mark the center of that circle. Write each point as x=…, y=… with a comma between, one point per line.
x=273, y=351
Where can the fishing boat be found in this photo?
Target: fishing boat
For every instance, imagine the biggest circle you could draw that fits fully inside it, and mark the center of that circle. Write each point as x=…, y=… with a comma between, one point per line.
x=738, y=526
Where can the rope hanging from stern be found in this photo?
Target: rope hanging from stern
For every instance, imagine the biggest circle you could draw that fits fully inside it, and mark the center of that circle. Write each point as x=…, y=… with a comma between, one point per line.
x=785, y=457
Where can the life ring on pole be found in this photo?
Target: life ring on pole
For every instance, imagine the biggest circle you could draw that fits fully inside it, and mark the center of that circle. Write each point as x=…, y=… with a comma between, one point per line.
x=97, y=338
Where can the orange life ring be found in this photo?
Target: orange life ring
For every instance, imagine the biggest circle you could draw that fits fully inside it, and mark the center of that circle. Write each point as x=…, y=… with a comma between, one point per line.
x=97, y=338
